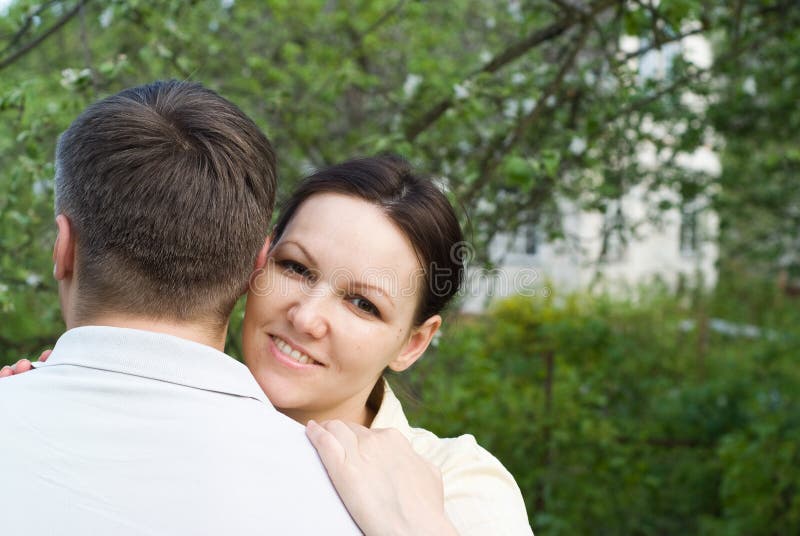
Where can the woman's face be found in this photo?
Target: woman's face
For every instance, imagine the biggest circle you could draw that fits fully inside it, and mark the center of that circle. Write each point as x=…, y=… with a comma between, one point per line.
x=332, y=309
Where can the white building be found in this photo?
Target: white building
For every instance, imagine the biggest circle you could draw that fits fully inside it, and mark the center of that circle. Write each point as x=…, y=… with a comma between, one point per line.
x=681, y=246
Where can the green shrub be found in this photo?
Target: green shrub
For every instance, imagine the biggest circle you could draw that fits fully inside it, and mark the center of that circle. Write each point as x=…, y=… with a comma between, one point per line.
x=616, y=418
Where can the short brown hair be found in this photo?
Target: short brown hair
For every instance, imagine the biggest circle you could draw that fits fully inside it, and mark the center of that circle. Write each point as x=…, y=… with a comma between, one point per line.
x=413, y=203
x=169, y=188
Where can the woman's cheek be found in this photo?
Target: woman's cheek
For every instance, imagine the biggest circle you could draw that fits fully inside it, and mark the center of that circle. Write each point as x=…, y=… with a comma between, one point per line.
x=262, y=283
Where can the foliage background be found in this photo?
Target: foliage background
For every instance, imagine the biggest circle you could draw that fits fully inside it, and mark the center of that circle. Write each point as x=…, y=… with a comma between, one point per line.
x=615, y=416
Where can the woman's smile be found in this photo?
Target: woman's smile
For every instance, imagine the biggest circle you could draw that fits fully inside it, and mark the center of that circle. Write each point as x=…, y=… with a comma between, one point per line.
x=290, y=354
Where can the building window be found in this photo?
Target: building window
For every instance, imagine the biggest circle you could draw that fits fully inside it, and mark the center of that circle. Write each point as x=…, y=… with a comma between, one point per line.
x=613, y=246
x=531, y=240
x=689, y=239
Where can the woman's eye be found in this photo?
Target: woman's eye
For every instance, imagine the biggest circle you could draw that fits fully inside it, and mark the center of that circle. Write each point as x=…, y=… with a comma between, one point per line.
x=293, y=267
x=363, y=304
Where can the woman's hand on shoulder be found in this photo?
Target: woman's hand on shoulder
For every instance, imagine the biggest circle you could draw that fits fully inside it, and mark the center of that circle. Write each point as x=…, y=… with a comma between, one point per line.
x=386, y=486
x=23, y=365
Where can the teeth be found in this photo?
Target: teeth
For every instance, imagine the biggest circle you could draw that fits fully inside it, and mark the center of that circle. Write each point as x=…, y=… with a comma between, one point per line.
x=298, y=356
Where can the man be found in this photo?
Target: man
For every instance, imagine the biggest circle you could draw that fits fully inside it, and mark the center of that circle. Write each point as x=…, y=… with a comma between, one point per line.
x=138, y=423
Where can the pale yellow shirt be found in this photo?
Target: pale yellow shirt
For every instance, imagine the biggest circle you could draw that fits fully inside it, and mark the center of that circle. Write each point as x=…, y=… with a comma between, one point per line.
x=480, y=495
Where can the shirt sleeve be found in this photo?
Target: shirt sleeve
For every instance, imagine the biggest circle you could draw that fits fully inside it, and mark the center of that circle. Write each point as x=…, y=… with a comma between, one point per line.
x=481, y=496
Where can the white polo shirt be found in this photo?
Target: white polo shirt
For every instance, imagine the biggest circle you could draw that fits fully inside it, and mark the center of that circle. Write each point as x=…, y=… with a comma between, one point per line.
x=125, y=431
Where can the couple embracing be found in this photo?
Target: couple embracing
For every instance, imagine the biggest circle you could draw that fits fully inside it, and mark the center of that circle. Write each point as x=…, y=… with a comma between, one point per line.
x=138, y=423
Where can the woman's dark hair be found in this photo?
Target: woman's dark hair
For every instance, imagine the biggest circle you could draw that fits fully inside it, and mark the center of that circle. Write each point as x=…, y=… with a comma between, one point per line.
x=413, y=203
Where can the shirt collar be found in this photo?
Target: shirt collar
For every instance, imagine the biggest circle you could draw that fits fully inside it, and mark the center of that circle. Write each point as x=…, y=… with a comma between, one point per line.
x=156, y=356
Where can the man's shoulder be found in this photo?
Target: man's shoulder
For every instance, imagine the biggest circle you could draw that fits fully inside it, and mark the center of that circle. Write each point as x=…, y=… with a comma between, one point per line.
x=77, y=430
x=22, y=386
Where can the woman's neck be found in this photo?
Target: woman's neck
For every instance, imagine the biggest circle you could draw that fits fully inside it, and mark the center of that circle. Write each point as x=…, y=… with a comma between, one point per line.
x=364, y=416
x=361, y=412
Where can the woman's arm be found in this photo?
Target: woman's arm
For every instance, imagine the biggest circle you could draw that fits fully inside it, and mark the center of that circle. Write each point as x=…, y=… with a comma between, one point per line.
x=482, y=496
x=386, y=486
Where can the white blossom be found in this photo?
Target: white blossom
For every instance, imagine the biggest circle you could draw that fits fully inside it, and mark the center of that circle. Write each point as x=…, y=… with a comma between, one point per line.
x=106, y=17
x=69, y=77
x=411, y=84
x=515, y=9
x=40, y=187
x=511, y=108
x=461, y=91
x=577, y=145
x=749, y=85
x=528, y=105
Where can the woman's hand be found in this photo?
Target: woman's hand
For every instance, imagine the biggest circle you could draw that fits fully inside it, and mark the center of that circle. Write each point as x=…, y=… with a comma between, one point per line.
x=23, y=365
x=386, y=486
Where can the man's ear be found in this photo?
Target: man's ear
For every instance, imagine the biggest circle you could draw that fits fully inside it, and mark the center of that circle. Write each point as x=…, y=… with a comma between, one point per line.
x=417, y=344
x=63, y=249
x=261, y=258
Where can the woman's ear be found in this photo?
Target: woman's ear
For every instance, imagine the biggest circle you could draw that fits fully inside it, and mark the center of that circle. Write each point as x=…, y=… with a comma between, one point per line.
x=417, y=344
x=63, y=249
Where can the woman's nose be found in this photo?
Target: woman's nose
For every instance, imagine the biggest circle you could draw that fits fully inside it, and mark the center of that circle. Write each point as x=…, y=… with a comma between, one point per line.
x=307, y=316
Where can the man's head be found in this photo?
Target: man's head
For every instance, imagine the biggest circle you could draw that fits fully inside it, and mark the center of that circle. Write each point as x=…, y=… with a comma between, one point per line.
x=167, y=190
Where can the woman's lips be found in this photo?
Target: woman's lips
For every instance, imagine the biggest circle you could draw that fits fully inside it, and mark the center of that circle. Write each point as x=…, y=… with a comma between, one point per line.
x=291, y=354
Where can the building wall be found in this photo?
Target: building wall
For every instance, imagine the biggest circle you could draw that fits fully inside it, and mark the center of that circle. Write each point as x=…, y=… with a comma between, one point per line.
x=655, y=251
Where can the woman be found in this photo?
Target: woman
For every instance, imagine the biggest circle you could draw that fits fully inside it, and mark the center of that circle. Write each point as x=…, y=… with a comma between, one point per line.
x=363, y=259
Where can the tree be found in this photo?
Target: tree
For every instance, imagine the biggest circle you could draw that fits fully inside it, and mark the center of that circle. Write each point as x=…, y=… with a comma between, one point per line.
x=759, y=124
x=513, y=106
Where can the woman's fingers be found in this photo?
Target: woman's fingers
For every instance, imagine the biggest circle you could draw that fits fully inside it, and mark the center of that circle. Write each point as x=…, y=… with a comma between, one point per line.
x=330, y=450
x=343, y=433
x=385, y=485
x=23, y=365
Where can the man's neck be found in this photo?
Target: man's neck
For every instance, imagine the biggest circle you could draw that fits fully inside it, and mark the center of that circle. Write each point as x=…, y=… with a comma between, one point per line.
x=204, y=333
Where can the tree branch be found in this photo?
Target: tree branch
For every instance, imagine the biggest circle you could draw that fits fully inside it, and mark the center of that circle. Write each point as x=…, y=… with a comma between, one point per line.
x=653, y=46
x=37, y=41
x=678, y=82
x=415, y=128
x=383, y=18
x=503, y=143
x=26, y=26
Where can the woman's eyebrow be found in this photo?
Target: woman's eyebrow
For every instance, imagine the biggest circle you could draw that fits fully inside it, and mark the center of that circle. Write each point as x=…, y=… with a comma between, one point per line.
x=361, y=286
x=300, y=247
